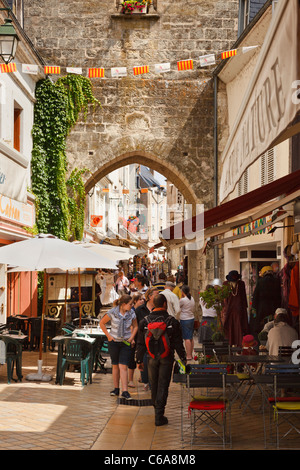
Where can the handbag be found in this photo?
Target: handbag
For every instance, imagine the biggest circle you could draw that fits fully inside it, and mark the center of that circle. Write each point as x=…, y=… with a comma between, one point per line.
x=196, y=324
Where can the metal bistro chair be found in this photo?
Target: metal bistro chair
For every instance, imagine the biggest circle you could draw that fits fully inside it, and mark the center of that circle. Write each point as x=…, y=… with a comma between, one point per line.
x=77, y=351
x=13, y=354
x=284, y=411
x=209, y=415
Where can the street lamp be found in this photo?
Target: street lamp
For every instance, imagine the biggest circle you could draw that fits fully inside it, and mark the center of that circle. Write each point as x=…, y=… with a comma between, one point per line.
x=8, y=41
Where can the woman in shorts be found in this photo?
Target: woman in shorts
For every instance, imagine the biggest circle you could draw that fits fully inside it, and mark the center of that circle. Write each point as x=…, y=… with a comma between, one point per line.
x=187, y=318
x=120, y=340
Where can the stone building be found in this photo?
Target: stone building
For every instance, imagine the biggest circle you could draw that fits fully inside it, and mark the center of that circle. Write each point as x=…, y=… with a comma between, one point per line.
x=164, y=121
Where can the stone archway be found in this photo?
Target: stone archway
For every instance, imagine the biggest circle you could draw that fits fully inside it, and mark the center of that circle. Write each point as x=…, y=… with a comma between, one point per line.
x=152, y=161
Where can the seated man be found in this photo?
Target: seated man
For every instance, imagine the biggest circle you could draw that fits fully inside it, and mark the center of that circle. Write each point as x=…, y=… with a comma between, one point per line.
x=282, y=334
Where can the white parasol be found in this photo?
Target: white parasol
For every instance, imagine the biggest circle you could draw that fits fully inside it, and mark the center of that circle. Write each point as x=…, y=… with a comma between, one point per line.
x=47, y=251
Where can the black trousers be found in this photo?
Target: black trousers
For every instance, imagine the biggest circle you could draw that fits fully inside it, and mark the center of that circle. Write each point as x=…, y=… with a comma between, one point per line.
x=160, y=373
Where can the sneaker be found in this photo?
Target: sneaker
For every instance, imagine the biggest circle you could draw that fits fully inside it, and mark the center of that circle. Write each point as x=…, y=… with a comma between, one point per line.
x=126, y=395
x=115, y=392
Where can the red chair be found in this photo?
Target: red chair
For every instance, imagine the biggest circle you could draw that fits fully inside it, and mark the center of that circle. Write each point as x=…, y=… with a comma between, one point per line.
x=209, y=414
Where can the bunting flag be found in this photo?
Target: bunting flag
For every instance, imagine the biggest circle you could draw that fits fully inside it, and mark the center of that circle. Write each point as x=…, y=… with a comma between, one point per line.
x=118, y=72
x=159, y=68
x=140, y=70
x=248, y=48
x=185, y=64
x=30, y=68
x=206, y=60
x=125, y=191
x=76, y=70
x=6, y=68
x=96, y=73
x=144, y=190
x=51, y=69
x=105, y=190
x=227, y=54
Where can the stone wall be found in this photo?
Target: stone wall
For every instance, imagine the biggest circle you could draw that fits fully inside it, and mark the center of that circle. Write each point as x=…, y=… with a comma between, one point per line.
x=167, y=118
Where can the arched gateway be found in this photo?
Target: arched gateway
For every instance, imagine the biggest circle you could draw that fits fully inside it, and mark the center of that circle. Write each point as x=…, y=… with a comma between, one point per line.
x=146, y=159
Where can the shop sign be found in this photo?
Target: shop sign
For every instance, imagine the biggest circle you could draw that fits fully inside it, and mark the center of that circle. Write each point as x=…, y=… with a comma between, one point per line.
x=254, y=225
x=16, y=211
x=271, y=103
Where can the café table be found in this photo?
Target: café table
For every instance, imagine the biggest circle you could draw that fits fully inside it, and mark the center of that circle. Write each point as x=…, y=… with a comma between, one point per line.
x=60, y=349
x=256, y=376
x=98, y=334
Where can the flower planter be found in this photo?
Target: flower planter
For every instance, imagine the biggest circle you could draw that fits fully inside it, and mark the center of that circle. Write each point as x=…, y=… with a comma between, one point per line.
x=140, y=10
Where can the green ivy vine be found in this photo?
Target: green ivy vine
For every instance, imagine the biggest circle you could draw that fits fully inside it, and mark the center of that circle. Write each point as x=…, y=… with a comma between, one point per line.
x=60, y=201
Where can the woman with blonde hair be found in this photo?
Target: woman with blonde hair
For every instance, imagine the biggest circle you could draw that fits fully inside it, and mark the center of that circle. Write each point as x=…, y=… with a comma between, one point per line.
x=120, y=339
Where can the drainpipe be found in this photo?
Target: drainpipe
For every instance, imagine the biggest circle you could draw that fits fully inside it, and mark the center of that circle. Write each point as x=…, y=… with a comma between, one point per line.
x=216, y=260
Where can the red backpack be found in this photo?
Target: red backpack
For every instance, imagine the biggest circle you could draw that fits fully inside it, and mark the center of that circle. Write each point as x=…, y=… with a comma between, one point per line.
x=156, y=338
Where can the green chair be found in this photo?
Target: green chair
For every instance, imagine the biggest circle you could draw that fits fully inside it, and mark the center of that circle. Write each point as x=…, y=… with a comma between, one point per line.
x=77, y=351
x=68, y=332
x=13, y=352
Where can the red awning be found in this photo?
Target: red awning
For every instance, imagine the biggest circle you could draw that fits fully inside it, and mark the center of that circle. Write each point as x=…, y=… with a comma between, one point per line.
x=283, y=186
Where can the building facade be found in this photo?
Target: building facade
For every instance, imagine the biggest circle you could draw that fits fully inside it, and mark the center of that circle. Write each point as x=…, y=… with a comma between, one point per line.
x=18, y=291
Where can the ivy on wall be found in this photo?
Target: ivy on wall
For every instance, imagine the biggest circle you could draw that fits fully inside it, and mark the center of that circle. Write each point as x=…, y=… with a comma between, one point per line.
x=60, y=201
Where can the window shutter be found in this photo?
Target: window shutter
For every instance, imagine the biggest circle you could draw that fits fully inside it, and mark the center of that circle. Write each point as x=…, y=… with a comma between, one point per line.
x=268, y=167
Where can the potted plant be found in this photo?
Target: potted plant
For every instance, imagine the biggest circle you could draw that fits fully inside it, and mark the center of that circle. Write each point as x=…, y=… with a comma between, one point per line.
x=135, y=6
x=214, y=297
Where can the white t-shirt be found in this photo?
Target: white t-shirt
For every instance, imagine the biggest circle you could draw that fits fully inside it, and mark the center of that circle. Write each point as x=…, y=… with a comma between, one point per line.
x=187, y=308
x=207, y=312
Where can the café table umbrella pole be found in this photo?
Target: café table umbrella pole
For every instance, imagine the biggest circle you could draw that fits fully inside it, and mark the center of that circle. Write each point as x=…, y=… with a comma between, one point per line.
x=66, y=289
x=39, y=375
x=79, y=295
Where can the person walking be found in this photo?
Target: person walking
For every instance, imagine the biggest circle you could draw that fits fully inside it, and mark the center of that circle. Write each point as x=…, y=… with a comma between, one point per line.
x=187, y=319
x=172, y=299
x=120, y=339
x=161, y=283
x=160, y=368
x=122, y=284
x=137, y=301
x=141, y=312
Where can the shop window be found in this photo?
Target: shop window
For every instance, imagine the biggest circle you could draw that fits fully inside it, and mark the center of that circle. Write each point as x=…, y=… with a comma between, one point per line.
x=244, y=15
x=17, y=127
x=17, y=7
x=268, y=167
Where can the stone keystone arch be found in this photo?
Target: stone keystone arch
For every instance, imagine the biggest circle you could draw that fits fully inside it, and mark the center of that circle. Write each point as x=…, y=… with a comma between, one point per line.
x=166, y=169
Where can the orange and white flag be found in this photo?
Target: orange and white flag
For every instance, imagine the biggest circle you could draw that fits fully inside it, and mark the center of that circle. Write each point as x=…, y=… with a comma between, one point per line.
x=51, y=70
x=6, y=68
x=185, y=64
x=96, y=73
x=227, y=54
x=140, y=70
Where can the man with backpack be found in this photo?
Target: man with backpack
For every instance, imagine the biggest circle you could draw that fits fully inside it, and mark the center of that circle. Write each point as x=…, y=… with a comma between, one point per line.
x=159, y=335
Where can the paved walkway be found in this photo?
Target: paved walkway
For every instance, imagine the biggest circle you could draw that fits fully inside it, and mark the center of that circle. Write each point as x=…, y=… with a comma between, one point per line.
x=46, y=416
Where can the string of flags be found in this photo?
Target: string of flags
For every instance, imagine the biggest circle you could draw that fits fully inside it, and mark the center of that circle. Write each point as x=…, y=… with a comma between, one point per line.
x=118, y=72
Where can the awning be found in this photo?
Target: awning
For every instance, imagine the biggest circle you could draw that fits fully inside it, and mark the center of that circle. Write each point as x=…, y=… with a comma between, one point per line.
x=148, y=178
x=261, y=201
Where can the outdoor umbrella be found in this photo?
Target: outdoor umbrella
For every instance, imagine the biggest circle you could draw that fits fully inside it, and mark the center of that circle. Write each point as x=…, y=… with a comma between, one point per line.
x=47, y=251
x=116, y=253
